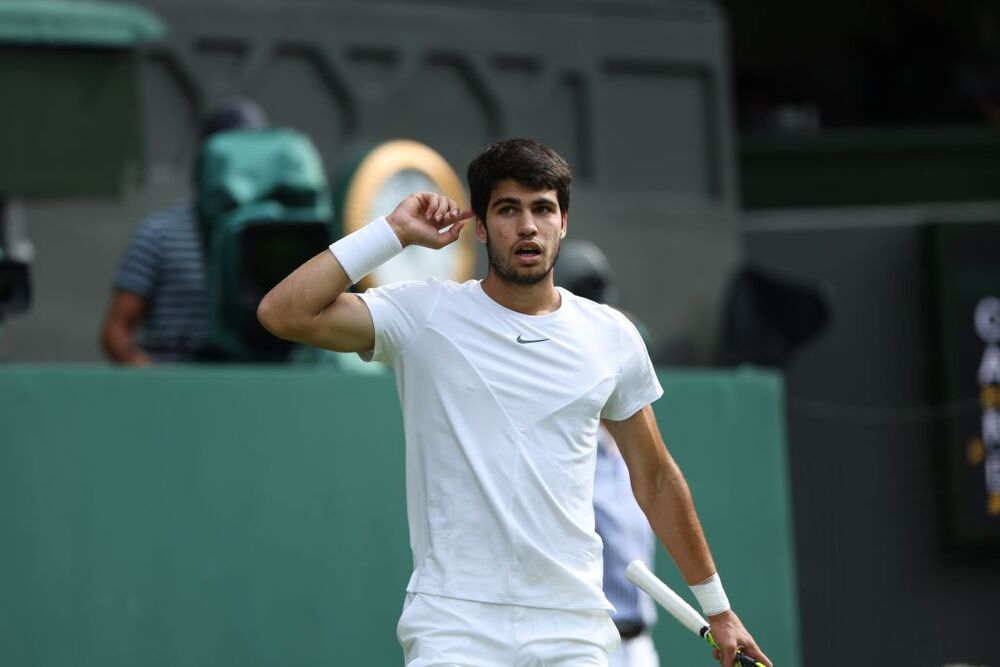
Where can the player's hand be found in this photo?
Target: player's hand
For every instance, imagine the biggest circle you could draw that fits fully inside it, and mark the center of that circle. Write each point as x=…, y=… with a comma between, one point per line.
x=730, y=635
x=427, y=219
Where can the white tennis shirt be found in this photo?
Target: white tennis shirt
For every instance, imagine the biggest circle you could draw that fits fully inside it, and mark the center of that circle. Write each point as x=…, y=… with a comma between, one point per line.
x=500, y=412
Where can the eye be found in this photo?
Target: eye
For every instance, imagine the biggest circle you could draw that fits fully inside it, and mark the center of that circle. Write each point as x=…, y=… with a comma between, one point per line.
x=506, y=210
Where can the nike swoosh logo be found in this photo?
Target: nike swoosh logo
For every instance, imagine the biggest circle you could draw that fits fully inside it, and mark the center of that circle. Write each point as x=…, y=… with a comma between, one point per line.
x=524, y=341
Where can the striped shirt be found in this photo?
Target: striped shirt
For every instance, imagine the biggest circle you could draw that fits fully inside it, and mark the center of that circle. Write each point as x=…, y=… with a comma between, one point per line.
x=165, y=264
x=625, y=532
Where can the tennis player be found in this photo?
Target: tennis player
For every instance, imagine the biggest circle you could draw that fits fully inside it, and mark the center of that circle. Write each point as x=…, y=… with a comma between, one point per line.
x=503, y=383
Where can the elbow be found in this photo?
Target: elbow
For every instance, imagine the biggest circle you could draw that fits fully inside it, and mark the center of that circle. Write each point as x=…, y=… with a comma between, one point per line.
x=267, y=317
x=651, y=490
x=645, y=498
x=277, y=321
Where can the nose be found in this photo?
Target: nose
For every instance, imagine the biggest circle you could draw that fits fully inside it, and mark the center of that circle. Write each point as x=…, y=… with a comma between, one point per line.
x=526, y=224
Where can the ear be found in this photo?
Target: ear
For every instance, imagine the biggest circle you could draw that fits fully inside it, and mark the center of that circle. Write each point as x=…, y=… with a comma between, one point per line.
x=480, y=230
x=564, y=225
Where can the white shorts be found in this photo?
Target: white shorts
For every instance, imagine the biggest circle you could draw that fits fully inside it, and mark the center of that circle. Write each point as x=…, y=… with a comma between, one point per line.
x=447, y=632
x=636, y=652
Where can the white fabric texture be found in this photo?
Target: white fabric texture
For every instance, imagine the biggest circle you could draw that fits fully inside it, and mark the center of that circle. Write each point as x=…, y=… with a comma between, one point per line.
x=636, y=652
x=497, y=635
x=500, y=413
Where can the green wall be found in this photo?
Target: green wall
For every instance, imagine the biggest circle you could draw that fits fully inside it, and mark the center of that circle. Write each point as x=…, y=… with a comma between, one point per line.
x=238, y=516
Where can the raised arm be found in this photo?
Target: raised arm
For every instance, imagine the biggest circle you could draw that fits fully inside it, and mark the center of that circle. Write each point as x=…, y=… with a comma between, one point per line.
x=310, y=305
x=663, y=495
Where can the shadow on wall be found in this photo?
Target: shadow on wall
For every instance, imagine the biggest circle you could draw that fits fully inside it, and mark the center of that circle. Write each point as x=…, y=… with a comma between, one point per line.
x=769, y=316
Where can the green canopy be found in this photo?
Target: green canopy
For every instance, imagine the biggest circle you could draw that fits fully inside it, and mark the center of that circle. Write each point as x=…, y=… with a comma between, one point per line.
x=77, y=23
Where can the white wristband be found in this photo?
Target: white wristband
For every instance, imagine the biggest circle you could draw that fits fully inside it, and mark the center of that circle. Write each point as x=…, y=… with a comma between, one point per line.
x=363, y=251
x=711, y=596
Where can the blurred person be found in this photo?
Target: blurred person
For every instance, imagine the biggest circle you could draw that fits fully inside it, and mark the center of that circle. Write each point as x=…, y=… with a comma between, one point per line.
x=624, y=530
x=160, y=287
x=503, y=383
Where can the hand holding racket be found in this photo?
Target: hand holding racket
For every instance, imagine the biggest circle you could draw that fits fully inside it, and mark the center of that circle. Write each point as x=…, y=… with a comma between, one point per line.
x=639, y=574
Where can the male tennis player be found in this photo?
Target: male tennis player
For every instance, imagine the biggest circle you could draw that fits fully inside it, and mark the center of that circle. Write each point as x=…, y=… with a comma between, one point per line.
x=503, y=383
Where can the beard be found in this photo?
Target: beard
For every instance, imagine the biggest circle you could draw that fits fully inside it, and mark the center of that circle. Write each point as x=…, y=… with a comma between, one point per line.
x=511, y=274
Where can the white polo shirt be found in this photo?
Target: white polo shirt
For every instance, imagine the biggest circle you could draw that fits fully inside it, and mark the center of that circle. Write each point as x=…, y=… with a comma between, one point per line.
x=500, y=412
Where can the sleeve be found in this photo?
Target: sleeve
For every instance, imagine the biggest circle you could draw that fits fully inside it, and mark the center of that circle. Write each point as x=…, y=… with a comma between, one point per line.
x=637, y=384
x=400, y=312
x=140, y=263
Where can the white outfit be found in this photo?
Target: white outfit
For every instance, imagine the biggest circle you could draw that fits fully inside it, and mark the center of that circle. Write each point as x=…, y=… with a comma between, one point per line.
x=636, y=652
x=438, y=631
x=500, y=412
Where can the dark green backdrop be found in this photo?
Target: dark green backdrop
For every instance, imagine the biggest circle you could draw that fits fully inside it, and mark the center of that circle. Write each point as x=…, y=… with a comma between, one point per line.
x=236, y=516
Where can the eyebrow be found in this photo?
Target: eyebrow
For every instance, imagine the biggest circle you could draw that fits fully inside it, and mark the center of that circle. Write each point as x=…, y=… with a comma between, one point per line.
x=517, y=202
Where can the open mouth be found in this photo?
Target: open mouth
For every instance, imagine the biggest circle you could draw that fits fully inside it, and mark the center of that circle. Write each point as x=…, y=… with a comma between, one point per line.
x=528, y=250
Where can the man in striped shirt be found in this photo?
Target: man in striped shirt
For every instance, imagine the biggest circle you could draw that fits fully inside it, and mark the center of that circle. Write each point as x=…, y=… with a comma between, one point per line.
x=160, y=287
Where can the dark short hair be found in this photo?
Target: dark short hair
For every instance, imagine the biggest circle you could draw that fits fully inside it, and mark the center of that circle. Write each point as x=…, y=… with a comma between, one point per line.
x=524, y=160
x=235, y=113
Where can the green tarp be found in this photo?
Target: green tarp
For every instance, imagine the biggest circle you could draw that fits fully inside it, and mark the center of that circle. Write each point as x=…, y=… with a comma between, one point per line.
x=65, y=23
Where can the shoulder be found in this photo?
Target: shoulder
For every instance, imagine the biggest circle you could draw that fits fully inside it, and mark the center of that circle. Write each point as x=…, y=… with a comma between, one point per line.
x=401, y=309
x=606, y=324
x=409, y=294
x=410, y=288
x=599, y=314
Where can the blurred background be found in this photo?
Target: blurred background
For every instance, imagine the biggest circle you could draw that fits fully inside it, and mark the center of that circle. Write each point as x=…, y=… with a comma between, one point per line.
x=799, y=201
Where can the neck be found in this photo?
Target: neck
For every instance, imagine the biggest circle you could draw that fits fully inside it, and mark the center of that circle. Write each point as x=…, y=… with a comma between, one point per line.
x=539, y=299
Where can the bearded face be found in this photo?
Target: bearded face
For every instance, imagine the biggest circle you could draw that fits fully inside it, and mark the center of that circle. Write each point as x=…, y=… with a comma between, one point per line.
x=523, y=231
x=504, y=266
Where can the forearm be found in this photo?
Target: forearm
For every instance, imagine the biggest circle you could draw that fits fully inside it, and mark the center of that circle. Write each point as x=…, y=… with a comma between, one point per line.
x=663, y=495
x=666, y=501
x=118, y=336
x=120, y=347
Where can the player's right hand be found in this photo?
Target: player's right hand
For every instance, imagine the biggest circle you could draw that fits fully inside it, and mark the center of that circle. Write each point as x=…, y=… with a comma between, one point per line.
x=731, y=636
x=428, y=219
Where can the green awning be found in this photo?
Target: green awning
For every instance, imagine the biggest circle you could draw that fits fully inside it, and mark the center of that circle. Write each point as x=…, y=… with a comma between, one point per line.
x=77, y=23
